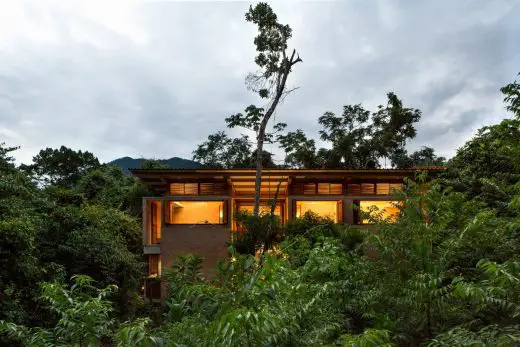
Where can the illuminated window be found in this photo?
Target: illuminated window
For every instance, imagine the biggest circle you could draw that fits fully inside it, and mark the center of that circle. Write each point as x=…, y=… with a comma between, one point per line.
x=154, y=265
x=264, y=209
x=330, y=209
x=383, y=209
x=154, y=221
x=196, y=212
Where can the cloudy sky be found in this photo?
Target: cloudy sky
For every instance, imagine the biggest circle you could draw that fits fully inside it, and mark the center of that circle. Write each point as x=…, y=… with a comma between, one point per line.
x=153, y=79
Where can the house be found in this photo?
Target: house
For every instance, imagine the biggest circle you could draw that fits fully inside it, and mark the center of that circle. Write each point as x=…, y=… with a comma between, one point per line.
x=193, y=208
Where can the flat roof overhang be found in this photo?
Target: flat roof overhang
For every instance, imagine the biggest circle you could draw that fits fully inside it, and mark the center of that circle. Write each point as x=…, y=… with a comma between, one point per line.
x=243, y=180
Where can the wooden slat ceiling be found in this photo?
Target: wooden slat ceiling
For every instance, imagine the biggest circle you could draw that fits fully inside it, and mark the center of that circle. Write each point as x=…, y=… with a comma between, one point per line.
x=246, y=185
x=243, y=181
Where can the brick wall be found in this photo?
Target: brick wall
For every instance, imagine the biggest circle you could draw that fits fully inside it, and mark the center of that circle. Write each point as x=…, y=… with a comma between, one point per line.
x=208, y=241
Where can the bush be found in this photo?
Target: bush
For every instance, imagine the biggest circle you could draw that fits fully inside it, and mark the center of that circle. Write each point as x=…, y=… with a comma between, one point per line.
x=185, y=270
x=350, y=236
x=306, y=224
x=257, y=233
x=296, y=249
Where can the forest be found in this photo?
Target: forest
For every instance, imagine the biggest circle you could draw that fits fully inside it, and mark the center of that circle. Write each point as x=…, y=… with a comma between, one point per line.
x=446, y=272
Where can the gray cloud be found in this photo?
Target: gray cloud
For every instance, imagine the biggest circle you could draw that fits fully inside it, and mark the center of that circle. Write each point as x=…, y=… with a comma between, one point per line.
x=154, y=79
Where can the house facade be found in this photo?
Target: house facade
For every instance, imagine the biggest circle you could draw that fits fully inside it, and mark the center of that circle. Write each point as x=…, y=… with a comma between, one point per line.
x=192, y=210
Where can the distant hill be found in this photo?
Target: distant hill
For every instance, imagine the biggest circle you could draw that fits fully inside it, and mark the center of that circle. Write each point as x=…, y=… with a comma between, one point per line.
x=174, y=163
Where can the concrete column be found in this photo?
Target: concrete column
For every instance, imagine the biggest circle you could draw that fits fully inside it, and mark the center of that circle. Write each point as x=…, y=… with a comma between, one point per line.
x=345, y=210
x=145, y=222
x=349, y=213
x=290, y=212
x=230, y=211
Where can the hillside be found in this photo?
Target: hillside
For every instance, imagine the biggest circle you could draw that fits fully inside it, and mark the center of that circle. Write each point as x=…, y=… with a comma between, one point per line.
x=175, y=163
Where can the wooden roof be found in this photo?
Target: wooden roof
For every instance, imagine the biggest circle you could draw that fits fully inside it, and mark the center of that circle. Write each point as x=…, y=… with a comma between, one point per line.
x=243, y=180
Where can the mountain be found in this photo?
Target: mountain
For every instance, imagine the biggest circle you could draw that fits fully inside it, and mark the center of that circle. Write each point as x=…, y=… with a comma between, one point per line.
x=174, y=163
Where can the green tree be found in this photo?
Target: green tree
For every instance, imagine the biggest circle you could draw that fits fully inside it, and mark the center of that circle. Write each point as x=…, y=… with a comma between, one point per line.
x=300, y=152
x=222, y=152
x=109, y=186
x=270, y=82
x=62, y=166
x=84, y=319
x=101, y=242
x=512, y=97
x=19, y=222
x=488, y=166
x=424, y=157
x=151, y=164
x=360, y=138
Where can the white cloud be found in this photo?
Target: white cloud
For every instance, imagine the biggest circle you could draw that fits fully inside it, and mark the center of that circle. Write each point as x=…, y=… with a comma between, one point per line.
x=155, y=78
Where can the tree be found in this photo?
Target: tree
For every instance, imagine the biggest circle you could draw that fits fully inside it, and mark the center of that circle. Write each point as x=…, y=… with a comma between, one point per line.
x=275, y=65
x=151, y=164
x=424, y=157
x=220, y=151
x=85, y=319
x=300, y=152
x=488, y=166
x=512, y=97
x=93, y=240
x=6, y=160
x=19, y=221
x=62, y=166
x=109, y=186
x=360, y=138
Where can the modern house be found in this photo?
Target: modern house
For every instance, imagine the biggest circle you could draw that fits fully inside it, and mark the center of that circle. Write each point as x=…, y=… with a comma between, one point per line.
x=193, y=210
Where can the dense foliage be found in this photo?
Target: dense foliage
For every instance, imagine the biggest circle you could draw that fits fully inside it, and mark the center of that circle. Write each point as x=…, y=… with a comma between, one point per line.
x=445, y=273
x=58, y=220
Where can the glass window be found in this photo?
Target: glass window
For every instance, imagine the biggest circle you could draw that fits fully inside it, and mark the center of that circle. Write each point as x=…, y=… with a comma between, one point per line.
x=154, y=218
x=154, y=265
x=384, y=209
x=328, y=209
x=264, y=209
x=196, y=212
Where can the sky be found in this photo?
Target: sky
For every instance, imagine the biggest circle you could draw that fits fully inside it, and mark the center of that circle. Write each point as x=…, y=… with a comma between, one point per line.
x=154, y=78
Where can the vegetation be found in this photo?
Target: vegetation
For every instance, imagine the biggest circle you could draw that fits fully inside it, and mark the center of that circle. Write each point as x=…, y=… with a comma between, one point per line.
x=445, y=273
x=63, y=222
x=275, y=64
x=358, y=138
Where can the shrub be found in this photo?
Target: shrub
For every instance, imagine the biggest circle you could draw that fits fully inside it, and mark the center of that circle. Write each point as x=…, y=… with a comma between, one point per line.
x=307, y=223
x=257, y=233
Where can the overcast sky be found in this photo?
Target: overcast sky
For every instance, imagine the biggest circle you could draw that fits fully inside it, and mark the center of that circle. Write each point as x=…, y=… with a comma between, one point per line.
x=153, y=79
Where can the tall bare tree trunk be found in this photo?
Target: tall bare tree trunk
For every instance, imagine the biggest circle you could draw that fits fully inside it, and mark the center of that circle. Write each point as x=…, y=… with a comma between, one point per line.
x=258, y=178
x=280, y=89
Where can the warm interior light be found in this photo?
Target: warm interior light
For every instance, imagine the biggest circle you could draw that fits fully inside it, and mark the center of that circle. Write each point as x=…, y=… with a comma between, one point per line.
x=321, y=208
x=248, y=207
x=197, y=212
x=386, y=208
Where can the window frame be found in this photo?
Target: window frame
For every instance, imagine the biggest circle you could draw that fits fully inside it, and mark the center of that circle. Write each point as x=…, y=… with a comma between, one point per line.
x=154, y=260
x=356, y=218
x=167, y=211
x=339, y=208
